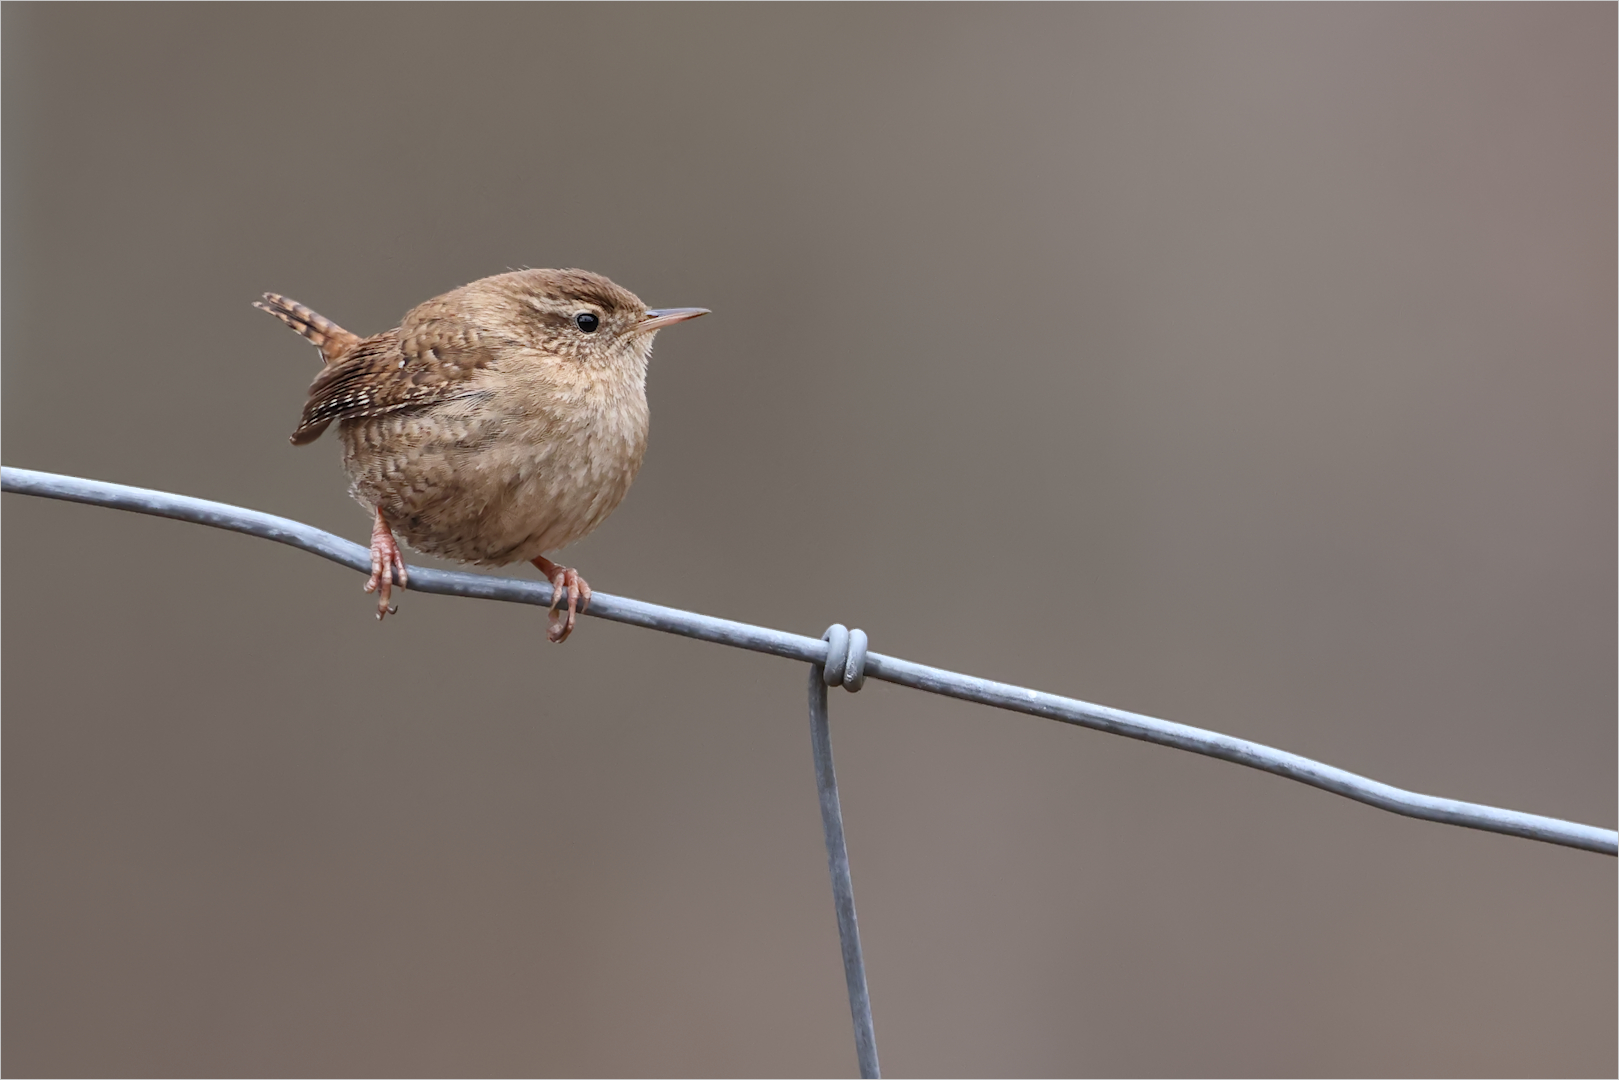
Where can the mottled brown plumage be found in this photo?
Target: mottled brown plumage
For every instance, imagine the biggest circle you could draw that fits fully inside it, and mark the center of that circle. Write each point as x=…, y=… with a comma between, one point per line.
x=497, y=422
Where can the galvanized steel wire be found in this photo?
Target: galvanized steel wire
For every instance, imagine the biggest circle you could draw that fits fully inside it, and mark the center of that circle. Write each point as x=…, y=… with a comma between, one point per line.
x=816, y=651
x=841, y=657
x=837, y=864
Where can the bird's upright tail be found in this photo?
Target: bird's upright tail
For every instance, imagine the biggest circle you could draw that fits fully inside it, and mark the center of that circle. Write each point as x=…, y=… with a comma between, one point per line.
x=332, y=340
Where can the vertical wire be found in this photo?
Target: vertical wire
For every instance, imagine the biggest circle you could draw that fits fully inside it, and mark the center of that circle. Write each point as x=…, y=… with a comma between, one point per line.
x=837, y=861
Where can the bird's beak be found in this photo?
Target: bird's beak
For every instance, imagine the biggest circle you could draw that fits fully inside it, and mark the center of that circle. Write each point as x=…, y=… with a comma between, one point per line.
x=658, y=318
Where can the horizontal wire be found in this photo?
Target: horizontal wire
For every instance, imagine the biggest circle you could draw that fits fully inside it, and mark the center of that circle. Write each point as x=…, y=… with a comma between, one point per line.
x=814, y=651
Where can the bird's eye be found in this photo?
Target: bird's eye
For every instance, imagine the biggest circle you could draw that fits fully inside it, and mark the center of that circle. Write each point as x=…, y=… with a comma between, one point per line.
x=586, y=322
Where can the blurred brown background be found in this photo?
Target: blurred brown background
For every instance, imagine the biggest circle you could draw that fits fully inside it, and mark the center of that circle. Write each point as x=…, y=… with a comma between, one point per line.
x=1247, y=366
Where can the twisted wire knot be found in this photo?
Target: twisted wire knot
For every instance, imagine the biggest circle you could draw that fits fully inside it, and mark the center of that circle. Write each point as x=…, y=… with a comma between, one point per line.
x=845, y=657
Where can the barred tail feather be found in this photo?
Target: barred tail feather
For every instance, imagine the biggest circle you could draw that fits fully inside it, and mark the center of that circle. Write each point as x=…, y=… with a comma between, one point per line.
x=332, y=340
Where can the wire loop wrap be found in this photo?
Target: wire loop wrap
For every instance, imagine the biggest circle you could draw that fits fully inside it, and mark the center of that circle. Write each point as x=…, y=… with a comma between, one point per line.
x=845, y=657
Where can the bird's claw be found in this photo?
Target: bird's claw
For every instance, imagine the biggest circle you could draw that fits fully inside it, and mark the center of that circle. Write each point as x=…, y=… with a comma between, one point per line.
x=387, y=567
x=559, y=624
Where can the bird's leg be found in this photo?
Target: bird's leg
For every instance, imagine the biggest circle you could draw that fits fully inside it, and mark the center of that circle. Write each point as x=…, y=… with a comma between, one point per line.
x=560, y=624
x=387, y=564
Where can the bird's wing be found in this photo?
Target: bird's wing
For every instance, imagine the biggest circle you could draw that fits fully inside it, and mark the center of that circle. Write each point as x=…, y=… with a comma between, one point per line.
x=430, y=358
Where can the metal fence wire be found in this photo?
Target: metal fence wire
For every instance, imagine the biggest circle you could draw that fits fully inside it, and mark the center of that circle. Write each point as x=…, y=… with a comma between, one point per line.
x=839, y=657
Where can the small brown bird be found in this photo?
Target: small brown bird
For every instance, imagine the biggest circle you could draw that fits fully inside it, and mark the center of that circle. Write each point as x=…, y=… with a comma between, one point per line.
x=497, y=422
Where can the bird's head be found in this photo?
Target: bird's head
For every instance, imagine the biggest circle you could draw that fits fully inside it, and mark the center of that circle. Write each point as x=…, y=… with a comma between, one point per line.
x=578, y=316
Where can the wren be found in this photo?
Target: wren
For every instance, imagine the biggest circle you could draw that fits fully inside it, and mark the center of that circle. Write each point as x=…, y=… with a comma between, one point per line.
x=500, y=421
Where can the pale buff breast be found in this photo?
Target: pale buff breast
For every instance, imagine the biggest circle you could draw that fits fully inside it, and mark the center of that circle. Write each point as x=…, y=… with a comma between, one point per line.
x=496, y=478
